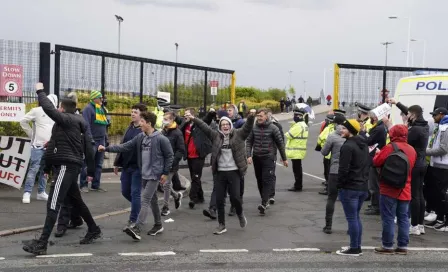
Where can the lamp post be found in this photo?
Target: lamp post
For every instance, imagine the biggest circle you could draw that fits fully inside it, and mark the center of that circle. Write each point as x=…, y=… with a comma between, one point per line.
x=424, y=50
x=120, y=20
x=386, y=44
x=304, y=90
x=409, y=35
x=177, y=47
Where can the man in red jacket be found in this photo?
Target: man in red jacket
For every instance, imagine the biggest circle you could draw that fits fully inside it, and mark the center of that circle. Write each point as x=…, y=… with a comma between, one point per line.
x=395, y=201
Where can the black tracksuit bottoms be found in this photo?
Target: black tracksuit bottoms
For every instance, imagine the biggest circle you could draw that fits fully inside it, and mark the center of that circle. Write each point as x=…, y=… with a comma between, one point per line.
x=65, y=190
x=265, y=173
x=228, y=181
x=195, y=166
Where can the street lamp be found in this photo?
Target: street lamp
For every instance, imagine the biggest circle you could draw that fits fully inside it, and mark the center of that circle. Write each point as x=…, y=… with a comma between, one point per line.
x=304, y=90
x=325, y=79
x=177, y=46
x=120, y=20
x=409, y=35
x=424, y=49
x=386, y=44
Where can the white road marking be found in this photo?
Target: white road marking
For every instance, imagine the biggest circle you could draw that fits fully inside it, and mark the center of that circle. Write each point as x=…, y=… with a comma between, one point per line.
x=295, y=249
x=428, y=248
x=313, y=176
x=1, y=258
x=163, y=253
x=223, y=250
x=65, y=255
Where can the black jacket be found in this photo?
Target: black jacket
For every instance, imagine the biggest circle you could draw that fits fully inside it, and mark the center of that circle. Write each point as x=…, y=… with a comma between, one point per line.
x=264, y=140
x=418, y=136
x=202, y=143
x=354, y=164
x=377, y=135
x=69, y=142
x=177, y=144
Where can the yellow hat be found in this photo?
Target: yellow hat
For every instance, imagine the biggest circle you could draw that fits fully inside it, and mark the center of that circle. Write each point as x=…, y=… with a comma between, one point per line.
x=352, y=125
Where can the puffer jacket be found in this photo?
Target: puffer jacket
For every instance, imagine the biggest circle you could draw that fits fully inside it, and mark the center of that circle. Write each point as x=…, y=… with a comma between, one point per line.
x=263, y=141
x=236, y=141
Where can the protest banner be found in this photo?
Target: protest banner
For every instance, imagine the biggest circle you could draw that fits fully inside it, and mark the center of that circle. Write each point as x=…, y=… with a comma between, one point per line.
x=382, y=111
x=14, y=158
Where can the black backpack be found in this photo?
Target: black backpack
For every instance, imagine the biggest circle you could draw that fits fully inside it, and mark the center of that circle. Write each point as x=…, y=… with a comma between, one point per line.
x=395, y=169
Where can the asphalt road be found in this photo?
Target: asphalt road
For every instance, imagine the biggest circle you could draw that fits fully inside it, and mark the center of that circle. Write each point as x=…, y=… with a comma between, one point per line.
x=288, y=238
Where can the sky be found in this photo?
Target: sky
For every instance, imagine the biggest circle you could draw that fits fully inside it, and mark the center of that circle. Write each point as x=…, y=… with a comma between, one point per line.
x=262, y=40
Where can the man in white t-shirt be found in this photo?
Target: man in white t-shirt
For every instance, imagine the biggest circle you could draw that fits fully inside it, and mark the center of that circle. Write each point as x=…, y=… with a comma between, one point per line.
x=39, y=133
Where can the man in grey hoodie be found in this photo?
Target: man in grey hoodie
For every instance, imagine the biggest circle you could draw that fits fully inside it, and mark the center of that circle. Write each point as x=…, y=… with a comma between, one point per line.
x=154, y=158
x=333, y=146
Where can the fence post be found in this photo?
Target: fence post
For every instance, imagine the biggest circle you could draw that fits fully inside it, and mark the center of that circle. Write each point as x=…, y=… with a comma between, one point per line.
x=103, y=74
x=44, y=66
x=57, y=70
x=336, y=87
x=205, y=91
x=233, y=89
x=384, y=84
x=141, y=81
x=175, y=84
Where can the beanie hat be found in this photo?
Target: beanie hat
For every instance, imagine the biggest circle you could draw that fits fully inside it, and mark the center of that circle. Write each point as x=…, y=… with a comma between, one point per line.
x=223, y=113
x=352, y=125
x=95, y=94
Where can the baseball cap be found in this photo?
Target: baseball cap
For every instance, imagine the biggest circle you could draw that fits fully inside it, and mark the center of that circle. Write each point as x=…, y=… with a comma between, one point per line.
x=438, y=111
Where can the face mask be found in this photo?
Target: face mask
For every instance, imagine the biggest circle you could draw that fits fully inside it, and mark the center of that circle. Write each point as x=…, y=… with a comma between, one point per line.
x=298, y=119
x=165, y=123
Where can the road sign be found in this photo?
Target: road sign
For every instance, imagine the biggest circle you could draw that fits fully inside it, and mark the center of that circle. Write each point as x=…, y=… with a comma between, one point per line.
x=11, y=80
x=11, y=112
x=214, y=87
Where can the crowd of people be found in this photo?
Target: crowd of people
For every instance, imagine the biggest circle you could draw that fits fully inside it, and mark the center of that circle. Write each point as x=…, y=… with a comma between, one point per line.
x=363, y=158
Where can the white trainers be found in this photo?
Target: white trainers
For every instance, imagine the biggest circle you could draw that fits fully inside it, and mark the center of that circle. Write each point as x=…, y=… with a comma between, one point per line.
x=421, y=228
x=414, y=230
x=432, y=216
x=42, y=196
x=26, y=198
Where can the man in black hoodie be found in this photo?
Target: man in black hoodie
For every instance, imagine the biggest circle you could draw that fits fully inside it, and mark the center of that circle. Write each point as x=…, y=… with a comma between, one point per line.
x=65, y=152
x=353, y=174
x=418, y=136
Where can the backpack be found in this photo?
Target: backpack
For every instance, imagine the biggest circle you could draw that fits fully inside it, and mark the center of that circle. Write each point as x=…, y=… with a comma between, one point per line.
x=395, y=169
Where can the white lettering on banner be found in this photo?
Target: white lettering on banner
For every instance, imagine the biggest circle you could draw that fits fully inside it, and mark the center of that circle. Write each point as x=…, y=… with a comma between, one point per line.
x=382, y=111
x=11, y=112
x=15, y=155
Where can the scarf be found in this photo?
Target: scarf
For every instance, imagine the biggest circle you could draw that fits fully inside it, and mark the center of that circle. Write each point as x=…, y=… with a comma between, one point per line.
x=100, y=115
x=433, y=137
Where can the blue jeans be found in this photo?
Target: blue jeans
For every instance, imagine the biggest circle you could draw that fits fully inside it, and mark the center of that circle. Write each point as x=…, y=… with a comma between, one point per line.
x=352, y=202
x=35, y=168
x=99, y=158
x=131, y=188
x=389, y=208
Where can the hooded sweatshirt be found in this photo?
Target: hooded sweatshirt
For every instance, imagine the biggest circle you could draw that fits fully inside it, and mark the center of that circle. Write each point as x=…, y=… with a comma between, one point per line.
x=40, y=131
x=237, y=121
x=398, y=135
x=225, y=160
x=333, y=146
x=354, y=164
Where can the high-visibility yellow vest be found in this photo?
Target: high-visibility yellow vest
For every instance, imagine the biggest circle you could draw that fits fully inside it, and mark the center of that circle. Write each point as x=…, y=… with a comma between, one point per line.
x=322, y=139
x=159, y=115
x=296, y=139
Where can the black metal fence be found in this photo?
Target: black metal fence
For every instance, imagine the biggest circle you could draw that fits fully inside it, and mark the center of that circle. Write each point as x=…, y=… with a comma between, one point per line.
x=365, y=83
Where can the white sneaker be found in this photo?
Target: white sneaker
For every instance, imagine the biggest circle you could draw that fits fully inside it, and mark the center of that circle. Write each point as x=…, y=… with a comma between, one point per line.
x=414, y=230
x=432, y=216
x=26, y=198
x=421, y=228
x=42, y=196
x=395, y=220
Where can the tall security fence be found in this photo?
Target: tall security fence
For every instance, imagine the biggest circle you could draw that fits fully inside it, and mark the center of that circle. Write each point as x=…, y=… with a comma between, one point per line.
x=365, y=83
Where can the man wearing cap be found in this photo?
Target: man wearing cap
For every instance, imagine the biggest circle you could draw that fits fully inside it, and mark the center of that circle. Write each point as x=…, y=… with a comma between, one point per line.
x=363, y=116
x=96, y=120
x=436, y=176
x=353, y=175
x=296, y=139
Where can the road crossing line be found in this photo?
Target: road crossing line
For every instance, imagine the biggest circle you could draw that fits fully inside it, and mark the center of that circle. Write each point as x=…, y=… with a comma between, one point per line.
x=310, y=175
x=304, y=249
x=223, y=250
x=163, y=253
x=65, y=255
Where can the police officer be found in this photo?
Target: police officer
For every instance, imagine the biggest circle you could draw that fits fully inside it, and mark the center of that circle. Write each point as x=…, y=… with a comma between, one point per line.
x=321, y=142
x=296, y=139
x=364, y=117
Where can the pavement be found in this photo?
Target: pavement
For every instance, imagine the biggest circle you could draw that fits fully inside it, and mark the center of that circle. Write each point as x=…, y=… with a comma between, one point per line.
x=288, y=238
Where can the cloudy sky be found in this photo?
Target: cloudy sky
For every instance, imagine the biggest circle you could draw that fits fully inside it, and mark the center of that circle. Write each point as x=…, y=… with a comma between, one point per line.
x=261, y=39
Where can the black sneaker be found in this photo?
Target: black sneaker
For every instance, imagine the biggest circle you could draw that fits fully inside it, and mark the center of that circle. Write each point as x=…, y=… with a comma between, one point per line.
x=372, y=211
x=295, y=189
x=243, y=220
x=191, y=204
x=74, y=224
x=36, y=247
x=165, y=211
x=220, y=229
x=262, y=209
x=271, y=201
x=434, y=224
x=323, y=192
x=91, y=236
x=232, y=211
x=60, y=232
x=155, y=230
x=178, y=200
x=327, y=229
x=130, y=224
x=349, y=252
x=210, y=213
x=134, y=232
x=442, y=227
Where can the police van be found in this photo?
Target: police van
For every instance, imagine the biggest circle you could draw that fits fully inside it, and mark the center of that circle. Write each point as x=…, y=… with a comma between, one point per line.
x=429, y=91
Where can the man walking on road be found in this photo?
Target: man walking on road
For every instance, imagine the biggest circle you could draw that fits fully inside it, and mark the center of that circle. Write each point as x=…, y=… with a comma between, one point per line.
x=39, y=135
x=65, y=154
x=353, y=175
x=228, y=162
x=260, y=146
x=154, y=157
x=296, y=139
x=97, y=122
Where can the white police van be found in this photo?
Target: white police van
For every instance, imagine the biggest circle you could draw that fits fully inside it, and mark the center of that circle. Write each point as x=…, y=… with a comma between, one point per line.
x=429, y=91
